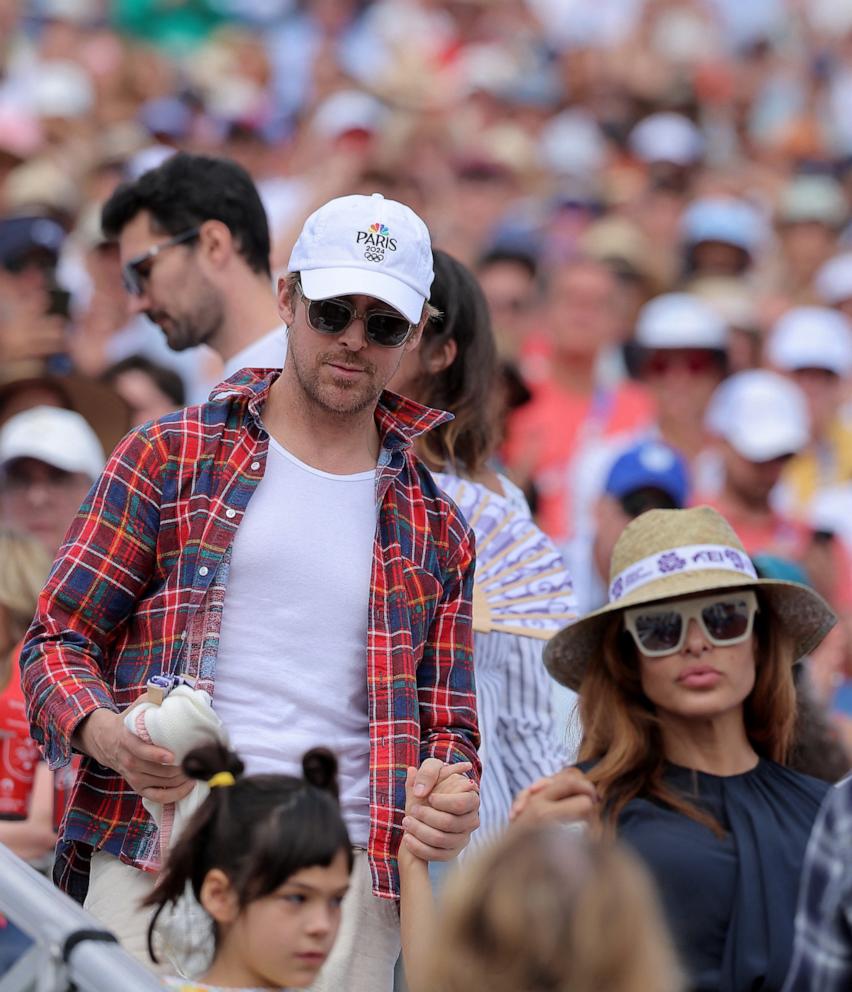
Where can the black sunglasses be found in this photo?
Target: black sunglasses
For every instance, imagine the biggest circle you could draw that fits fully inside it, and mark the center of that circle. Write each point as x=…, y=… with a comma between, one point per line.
x=386, y=328
x=132, y=273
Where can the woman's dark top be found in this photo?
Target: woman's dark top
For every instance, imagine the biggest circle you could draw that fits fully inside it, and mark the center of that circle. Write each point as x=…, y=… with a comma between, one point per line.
x=730, y=901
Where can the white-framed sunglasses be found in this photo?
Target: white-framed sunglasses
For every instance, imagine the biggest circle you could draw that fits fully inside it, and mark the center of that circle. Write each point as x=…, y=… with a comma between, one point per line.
x=725, y=619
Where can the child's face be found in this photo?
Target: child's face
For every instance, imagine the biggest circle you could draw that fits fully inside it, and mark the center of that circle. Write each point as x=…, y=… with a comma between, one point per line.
x=283, y=939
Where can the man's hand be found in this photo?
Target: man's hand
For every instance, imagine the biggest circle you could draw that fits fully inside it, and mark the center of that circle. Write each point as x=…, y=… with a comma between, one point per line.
x=566, y=797
x=148, y=769
x=445, y=810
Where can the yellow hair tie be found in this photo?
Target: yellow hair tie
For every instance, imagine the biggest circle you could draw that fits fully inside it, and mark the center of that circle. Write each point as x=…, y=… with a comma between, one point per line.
x=221, y=778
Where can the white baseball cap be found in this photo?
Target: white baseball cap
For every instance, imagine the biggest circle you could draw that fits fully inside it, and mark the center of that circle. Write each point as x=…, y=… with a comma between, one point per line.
x=833, y=281
x=680, y=320
x=667, y=137
x=58, y=437
x=761, y=414
x=811, y=338
x=366, y=245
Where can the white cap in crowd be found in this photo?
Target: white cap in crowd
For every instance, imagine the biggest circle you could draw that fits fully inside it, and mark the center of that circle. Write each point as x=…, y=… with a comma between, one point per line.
x=61, y=438
x=833, y=281
x=680, y=320
x=760, y=414
x=811, y=338
x=724, y=219
x=831, y=510
x=366, y=245
x=667, y=137
x=349, y=110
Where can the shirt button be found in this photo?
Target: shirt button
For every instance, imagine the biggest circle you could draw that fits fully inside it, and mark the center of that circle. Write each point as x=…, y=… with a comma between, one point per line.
x=255, y=466
x=230, y=514
x=203, y=570
x=183, y=635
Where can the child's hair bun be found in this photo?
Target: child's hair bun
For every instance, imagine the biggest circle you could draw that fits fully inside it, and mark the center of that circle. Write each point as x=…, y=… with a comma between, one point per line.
x=206, y=761
x=319, y=766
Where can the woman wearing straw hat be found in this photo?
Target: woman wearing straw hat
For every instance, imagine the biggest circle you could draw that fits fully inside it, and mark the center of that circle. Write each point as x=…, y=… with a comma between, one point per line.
x=688, y=710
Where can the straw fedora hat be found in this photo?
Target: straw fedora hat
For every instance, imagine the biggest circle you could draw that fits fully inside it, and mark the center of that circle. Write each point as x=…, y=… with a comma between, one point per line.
x=664, y=554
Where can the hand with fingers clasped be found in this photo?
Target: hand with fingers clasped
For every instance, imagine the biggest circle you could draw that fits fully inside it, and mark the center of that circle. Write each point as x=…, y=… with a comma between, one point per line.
x=443, y=810
x=148, y=769
x=565, y=797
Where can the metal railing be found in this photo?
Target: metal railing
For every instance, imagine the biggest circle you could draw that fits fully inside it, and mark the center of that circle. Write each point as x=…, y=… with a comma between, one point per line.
x=71, y=949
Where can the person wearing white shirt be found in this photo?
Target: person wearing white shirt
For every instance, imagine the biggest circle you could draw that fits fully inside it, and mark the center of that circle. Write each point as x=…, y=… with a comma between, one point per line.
x=194, y=243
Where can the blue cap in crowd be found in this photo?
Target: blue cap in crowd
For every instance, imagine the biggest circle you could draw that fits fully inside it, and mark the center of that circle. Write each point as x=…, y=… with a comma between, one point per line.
x=22, y=236
x=650, y=465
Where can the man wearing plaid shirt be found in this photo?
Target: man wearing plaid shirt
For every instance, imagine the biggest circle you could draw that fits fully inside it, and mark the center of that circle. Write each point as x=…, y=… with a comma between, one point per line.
x=282, y=545
x=822, y=953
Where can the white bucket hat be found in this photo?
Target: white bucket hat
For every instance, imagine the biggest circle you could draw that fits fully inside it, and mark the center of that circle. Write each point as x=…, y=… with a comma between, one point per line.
x=665, y=554
x=366, y=245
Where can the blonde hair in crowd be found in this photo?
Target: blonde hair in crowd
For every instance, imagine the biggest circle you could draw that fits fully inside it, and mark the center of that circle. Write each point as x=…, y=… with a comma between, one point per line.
x=550, y=909
x=24, y=565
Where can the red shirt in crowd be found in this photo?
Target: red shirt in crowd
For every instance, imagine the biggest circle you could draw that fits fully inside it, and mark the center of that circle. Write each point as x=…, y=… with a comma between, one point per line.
x=19, y=753
x=544, y=435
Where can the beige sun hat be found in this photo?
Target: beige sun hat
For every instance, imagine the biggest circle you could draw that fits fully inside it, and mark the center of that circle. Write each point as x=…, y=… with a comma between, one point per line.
x=664, y=554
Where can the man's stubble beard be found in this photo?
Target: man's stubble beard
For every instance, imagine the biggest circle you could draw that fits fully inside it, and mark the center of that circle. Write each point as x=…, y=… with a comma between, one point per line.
x=362, y=395
x=202, y=326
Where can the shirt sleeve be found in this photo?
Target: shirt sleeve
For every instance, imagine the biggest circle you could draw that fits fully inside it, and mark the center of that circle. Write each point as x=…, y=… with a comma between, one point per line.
x=526, y=722
x=106, y=562
x=822, y=950
x=445, y=684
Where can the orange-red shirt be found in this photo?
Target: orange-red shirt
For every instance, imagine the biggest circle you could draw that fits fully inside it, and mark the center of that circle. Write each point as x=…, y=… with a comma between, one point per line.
x=19, y=753
x=545, y=435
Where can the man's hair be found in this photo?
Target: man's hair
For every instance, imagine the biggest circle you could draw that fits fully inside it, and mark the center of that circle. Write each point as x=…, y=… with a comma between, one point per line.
x=187, y=190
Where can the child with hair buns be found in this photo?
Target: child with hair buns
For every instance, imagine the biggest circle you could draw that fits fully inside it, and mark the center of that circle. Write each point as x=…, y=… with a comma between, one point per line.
x=268, y=857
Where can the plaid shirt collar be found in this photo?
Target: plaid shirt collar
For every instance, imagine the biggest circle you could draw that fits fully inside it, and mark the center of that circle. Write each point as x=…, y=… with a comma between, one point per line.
x=400, y=420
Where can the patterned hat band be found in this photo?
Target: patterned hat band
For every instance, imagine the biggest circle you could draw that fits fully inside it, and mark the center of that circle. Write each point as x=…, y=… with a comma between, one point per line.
x=679, y=561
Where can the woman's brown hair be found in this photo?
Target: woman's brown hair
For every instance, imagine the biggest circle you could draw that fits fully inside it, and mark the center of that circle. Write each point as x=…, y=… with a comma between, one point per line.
x=550, y=909
x=622, y=739
x=467, y=387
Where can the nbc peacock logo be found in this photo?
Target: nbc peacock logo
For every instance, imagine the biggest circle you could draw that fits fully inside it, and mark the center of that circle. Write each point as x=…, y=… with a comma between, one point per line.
x=376, y=241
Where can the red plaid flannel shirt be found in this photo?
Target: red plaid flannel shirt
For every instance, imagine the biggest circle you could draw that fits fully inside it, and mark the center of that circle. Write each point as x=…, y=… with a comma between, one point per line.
x=140, y=582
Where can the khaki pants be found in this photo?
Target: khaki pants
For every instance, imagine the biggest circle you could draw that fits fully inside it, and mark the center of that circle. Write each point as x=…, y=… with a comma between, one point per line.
x=183, y=943
x=115, y=891
x=368, y=941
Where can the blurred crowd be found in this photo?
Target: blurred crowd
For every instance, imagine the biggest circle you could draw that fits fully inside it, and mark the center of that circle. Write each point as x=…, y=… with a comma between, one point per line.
x=655, y=196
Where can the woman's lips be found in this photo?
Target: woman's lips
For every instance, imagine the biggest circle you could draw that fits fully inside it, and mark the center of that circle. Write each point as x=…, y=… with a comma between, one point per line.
x=699, y=677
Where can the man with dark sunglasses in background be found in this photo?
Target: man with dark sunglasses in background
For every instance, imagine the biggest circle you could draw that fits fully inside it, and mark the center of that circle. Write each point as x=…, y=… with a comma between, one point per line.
x=194, y=244
x=283, y=543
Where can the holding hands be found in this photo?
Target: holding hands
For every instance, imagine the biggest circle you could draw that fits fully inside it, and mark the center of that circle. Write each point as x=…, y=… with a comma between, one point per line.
x=566, y=797
x=441, y=809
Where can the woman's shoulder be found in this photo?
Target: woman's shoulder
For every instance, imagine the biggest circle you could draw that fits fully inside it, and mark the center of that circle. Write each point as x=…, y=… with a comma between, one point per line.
x=773, y=775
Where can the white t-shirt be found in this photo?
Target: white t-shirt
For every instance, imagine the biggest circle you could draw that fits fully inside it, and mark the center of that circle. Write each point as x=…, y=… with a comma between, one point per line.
x=291, y=672
x=267, y=352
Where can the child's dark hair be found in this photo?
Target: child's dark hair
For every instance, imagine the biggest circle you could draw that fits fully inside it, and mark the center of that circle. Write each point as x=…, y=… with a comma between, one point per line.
x=258, y=831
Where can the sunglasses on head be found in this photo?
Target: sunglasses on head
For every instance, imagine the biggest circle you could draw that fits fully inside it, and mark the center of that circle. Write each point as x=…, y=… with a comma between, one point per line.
x=135, y=273
x=725, y=619
x=386, y=328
